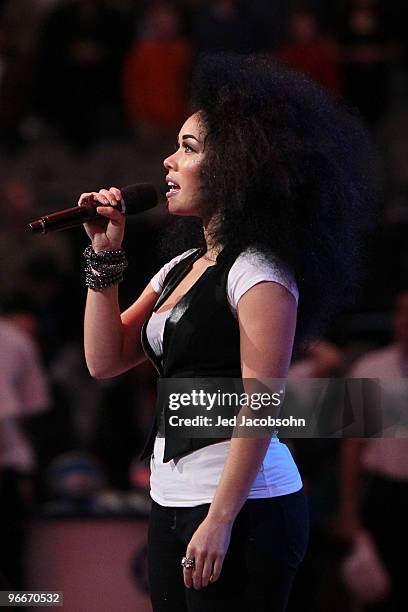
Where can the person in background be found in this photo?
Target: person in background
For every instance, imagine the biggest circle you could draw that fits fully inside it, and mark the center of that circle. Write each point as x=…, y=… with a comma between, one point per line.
x=223, y=25
x=310, y=52
x=318, y=586
x=24, y=393
x=366, y=55
x=155, y=73
x=81, y=44
x=382, y=464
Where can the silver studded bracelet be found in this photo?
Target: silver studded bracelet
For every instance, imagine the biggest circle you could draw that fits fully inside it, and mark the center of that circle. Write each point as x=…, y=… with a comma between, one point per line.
x=105, y=268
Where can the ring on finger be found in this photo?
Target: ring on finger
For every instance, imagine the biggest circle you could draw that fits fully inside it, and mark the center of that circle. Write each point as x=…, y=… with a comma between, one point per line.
x=187, y=563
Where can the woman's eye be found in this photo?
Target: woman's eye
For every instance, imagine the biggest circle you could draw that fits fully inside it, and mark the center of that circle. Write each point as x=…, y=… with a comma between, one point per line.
x=185, y=146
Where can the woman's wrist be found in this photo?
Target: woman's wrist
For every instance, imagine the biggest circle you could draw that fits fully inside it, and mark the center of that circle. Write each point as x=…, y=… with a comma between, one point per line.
x=98, y=247
x=221, y=517
x=104, y=268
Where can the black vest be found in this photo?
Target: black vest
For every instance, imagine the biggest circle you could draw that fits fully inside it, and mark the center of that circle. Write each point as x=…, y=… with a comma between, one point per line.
x=201, y=339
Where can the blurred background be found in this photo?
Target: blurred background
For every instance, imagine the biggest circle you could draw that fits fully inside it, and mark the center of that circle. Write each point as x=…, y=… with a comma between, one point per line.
x=92, y=94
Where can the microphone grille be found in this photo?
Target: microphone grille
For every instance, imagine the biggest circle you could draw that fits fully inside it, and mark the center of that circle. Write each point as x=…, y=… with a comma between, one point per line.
x=139, y=197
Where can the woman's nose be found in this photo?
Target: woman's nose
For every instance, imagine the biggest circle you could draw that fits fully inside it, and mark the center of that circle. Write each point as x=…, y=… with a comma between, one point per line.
x=169, y=162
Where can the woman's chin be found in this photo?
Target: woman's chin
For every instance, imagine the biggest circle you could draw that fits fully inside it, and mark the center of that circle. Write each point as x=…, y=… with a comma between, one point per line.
x=172, y=208
x=180, y=209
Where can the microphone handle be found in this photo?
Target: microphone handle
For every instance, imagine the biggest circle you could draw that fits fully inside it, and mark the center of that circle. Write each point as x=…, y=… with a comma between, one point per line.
x=66, y=219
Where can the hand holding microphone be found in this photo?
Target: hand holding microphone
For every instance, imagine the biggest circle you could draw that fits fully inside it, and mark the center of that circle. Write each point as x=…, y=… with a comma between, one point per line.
x=107, y=229
x=102, y=213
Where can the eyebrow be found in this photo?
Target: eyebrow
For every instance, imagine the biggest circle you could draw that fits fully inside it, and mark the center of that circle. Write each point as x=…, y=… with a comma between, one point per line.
x=185, y=136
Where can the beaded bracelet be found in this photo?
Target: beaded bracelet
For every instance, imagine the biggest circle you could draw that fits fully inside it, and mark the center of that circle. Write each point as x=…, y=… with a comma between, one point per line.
x=105, y=268
x=103, y=258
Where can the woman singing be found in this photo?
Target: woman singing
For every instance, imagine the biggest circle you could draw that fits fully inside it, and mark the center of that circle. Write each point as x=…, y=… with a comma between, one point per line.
x=273, y=169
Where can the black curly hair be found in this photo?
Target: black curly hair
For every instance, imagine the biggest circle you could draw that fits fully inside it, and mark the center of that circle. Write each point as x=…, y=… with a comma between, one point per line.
x=291, y=171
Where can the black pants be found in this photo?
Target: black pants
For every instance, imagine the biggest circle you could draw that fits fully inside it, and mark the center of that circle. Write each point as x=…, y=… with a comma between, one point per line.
x=268, y=541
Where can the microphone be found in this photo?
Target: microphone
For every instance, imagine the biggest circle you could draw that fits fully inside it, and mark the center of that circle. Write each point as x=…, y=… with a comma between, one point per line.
x=135, y=199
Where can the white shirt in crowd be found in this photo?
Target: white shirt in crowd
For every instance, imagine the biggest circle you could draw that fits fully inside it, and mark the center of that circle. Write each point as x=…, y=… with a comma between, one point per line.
x=387, y=457
x=23, y=392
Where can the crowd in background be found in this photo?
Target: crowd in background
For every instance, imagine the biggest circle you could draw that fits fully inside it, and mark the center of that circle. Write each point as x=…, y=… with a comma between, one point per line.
x=92, y=94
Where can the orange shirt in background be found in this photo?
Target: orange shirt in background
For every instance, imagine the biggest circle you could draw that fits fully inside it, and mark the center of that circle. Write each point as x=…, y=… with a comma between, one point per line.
x=155, y=82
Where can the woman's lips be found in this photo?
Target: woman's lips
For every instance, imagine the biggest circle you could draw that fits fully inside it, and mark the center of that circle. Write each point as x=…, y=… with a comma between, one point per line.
x=174, y=189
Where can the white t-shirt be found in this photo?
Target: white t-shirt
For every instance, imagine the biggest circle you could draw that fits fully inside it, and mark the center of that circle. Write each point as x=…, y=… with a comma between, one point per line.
x=192, y=479
x=248, y=269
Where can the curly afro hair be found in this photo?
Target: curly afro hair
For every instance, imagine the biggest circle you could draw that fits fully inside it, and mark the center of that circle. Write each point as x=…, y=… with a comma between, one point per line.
x=291, y=172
